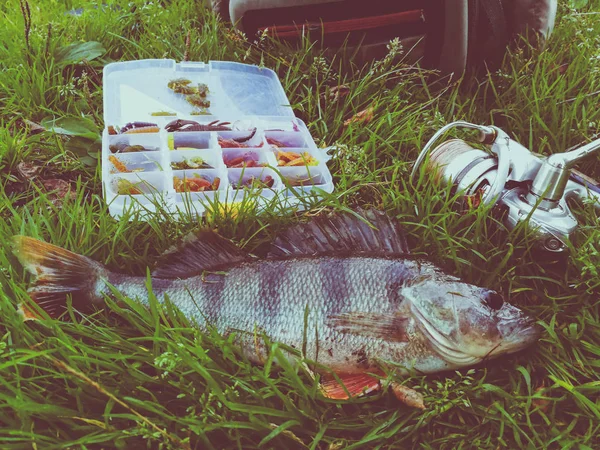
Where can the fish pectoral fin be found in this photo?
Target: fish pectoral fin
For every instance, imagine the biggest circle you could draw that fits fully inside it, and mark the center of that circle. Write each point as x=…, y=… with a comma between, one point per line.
x=391, y=327
x=202, y=252
x=355, y=384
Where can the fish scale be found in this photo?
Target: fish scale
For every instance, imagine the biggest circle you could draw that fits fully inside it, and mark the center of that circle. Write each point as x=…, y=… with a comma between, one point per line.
x=234, y=301
x=369, y=304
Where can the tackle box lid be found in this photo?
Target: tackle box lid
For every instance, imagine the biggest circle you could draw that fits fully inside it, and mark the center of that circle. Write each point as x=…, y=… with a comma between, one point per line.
x=135, y=90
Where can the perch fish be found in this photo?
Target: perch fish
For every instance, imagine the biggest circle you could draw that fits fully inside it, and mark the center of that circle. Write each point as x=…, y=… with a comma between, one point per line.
x=349, y=295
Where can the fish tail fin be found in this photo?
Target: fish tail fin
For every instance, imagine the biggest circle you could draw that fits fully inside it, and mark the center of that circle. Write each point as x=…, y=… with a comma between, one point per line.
x=58, y=274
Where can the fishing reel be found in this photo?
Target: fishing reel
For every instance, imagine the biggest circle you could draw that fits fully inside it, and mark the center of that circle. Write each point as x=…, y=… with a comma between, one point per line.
x=530, y=187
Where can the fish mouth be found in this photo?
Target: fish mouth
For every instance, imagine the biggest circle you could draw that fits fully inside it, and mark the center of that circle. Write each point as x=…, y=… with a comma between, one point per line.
x=519, y=339
x=442, y=344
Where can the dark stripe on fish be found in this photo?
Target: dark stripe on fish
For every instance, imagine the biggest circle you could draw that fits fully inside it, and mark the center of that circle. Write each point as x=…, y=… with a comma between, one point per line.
x=334, y=284
x=396, y=275
x=214, y=285
x=272, y=277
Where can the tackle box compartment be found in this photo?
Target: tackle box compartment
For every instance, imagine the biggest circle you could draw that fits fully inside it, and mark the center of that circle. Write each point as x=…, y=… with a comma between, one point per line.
x=247, y=144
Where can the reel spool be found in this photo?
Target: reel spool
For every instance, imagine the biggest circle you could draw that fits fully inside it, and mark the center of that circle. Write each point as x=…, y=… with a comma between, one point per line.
x=467, y=169
x=465, y=166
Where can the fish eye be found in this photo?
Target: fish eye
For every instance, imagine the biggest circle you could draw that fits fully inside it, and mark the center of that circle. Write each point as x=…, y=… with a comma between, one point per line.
x=493, y=300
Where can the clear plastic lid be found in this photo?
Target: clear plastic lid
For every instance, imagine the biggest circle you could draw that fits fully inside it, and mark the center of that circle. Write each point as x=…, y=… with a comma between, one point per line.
x=138, y=90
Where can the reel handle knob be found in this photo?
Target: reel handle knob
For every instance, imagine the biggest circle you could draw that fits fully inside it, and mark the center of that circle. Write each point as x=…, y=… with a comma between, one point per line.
x=487, y=137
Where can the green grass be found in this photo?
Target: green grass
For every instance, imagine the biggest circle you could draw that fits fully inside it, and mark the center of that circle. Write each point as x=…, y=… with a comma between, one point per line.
x=132, y=378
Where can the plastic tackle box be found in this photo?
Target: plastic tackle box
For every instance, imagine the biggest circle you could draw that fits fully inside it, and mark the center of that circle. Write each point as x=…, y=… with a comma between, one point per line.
x=145, y=168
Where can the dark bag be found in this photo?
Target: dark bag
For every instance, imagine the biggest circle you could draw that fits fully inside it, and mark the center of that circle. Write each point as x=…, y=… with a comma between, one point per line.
x=448, y=35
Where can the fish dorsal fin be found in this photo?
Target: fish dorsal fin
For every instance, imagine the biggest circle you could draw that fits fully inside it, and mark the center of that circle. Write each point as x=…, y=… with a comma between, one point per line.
x=372, y=232
x=204, y=251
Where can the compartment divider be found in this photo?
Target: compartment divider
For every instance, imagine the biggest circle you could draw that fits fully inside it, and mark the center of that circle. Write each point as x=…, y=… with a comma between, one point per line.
x=168, y=172
x=289, y=130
